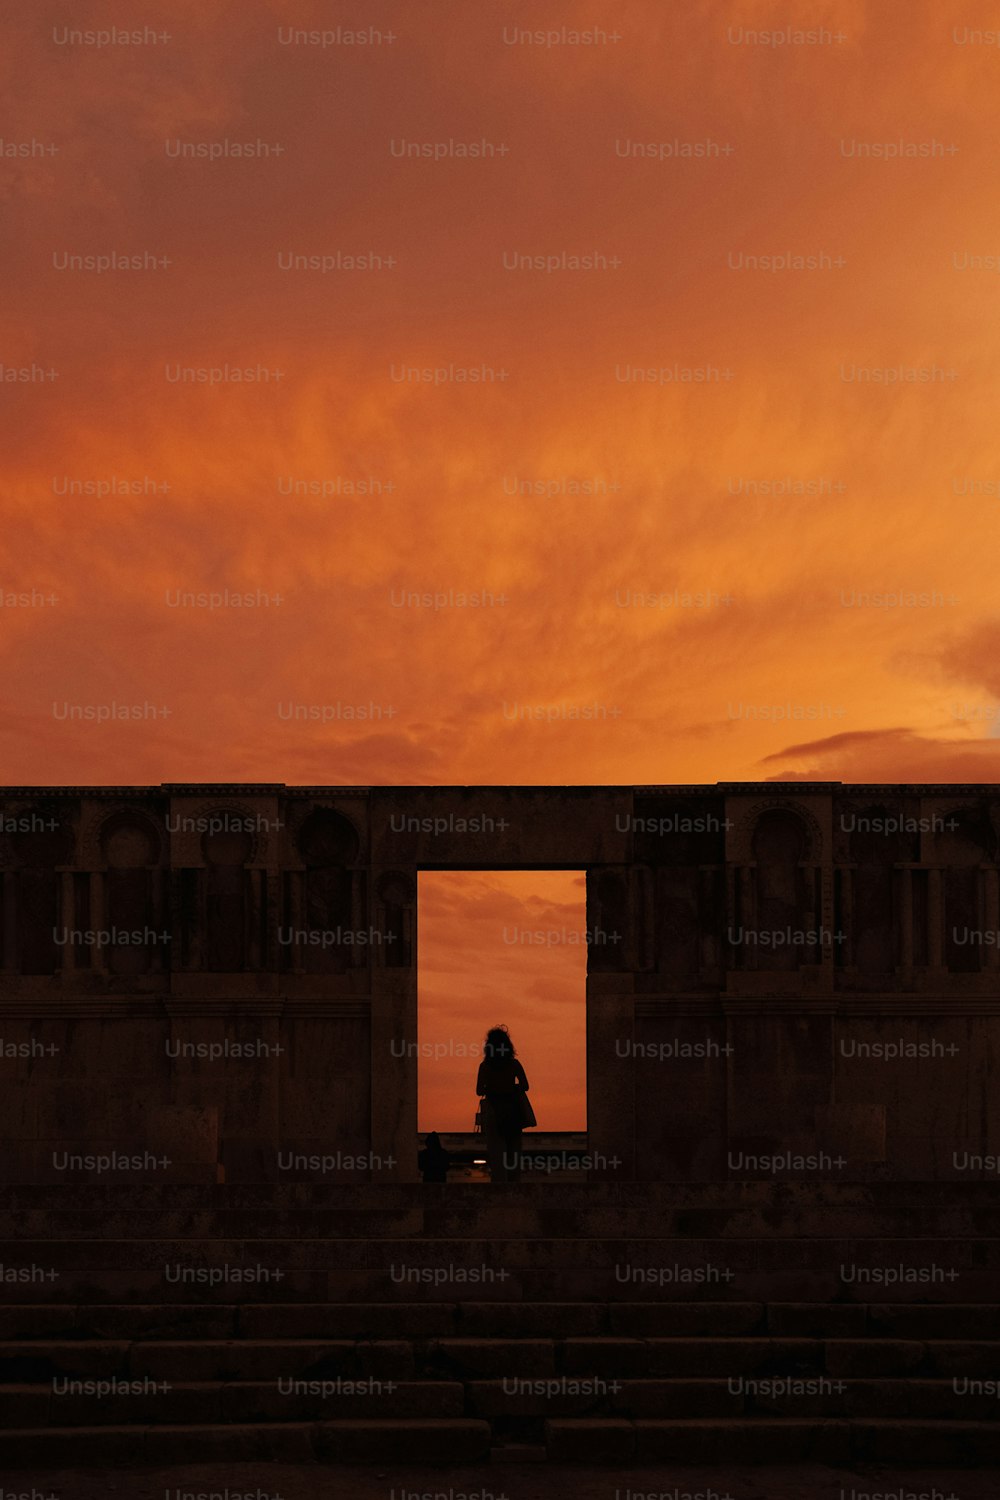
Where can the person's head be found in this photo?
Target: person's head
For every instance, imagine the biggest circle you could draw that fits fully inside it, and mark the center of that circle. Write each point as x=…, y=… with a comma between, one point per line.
x=498, y=1046
x=432, y=1141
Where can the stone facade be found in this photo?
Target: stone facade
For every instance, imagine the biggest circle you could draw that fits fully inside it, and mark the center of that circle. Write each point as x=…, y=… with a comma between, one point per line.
x=776, y=968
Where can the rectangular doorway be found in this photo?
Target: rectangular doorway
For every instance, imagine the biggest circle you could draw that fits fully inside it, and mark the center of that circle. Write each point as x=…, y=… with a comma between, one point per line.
x=501, y=947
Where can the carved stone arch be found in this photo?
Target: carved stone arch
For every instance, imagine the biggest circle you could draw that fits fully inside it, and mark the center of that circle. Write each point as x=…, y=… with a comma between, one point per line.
x=333, y=889
x=96, y=822
x=780, y=833
x=875, y=846
x=38, y=843
x=241, y=830
x=9, y=814
x=878, y=839
x=993, y=817
x=961, y=852
x=133, y=848
x=227, y=852
x=783, y=848
x=129, y=838
x=741, y=843
x=227, y=847
x=325, y=837
x=971, y=840
x=42, y=845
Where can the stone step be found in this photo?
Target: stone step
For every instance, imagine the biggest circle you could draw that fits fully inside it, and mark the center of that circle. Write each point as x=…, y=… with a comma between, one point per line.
x=511, y=1319
x=718, y=1442
x=210, y=1403
x=631, y=1266
x=252, y=1359
x=528, y=1288
x=201, y=1360
x=765, y=1271
x=489, y=1219
x=38, y=1321
x=712, y=1442
x=788, y=1196
x=34, y=1322
x=771, y=1398
x=463, y=1359
x=632, y=1253
x=720, y=1210
x=558, y=1320
x=530, y=1402
x=454, y=1440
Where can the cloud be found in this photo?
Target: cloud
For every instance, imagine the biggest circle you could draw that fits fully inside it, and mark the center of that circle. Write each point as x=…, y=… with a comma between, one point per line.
x=888, y=755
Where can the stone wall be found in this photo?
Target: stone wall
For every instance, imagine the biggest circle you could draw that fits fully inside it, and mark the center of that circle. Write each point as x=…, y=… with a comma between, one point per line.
x=773, y=968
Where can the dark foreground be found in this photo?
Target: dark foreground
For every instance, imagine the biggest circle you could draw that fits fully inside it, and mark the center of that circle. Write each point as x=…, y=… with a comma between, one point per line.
x=513, y=1482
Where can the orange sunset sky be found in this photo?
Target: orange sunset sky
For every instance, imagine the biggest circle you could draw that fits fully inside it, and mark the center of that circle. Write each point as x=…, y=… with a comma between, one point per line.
x=667, y=623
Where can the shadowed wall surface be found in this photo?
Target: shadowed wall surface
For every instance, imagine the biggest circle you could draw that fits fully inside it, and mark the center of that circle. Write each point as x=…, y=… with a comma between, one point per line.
x=779, y=979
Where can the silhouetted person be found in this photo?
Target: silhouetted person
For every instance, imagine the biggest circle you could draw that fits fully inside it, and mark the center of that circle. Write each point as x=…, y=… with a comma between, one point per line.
x=502, y=1085
x=433, y=1160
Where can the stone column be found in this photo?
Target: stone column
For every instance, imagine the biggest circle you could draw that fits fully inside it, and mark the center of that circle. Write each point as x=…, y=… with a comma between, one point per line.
x=813, y=907
x=904, y=957
x=272, y=917
x=10, y=944
x=815, y=916
x=199, y=944
x=709, y=956
x=360, y=954
x=935, y=919
x=845, y=874
x=256, y=906
x=991, y=902
x=67, y=917
x=646, y=944
x=747, y=904
x=157, y=881
x=98, y=909
x=394, y=1063
x=296, y=918
x=830, y=953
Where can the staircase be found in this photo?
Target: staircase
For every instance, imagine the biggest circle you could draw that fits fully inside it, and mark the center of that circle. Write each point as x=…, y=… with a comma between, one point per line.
x=729, y=1322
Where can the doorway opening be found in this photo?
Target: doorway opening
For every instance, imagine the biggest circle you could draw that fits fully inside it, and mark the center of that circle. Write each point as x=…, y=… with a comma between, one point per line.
x=501, y=947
